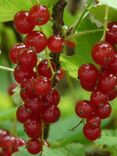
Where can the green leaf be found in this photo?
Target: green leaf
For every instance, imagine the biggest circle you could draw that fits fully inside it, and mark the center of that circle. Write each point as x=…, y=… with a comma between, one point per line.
x=48, y=3
x=16, y=96
x=83, y=49
x=109, y=138
x=8, y=8
x=99, y=10
x=70, y=150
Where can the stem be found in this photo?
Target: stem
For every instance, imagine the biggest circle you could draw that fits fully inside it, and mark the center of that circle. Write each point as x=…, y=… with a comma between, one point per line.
x=49, y=62
x=78, y=21
x=72, y=129
x=6, y=68
x=75, y=35
x=105, y=23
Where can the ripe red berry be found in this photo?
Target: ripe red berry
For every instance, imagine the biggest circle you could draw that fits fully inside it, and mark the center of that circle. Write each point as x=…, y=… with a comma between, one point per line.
x=27, y=60
x=94, y=122
x=98, y=98
x=42, y=85
x=33, y=106
x=39, y=15
x=60, y=74
x=113, y=65
x=107, y=82
x=11, y=88
x=44, y=69
x=87, y=85
x=15, y=51
x=21, y=22
x=84, y=109
x=111, y=35
x=34, y=146
x=112, y=93
x=20, y=75
x=105, y=111
x=51, y=114
x=55, y=44
x=91, y=134
x=70, y=44
x=22, y=114
x=36, y=40
x=103, y=53
x=53, y=97
x=88, y=72
x=32, y=128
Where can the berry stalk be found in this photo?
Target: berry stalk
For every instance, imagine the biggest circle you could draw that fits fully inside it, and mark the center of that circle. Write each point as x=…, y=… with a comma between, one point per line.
x=6, y=68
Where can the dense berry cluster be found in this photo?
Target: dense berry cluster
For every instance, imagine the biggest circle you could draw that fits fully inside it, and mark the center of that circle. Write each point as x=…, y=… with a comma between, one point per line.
x=102, y=83
x=40, y=97
x=9, y=144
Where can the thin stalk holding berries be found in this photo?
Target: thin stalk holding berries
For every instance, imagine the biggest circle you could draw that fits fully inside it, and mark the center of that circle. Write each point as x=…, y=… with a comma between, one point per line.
x=75, y=25
x=105, y=23
x=6, y=68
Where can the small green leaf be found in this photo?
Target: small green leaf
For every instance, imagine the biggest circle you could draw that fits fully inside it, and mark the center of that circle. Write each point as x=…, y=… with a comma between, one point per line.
x=99, y=10
x=48, y=3
x=16, y=96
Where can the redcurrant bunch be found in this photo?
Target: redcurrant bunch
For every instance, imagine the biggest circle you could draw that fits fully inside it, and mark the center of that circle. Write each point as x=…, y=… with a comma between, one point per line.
x=9, y=144
x=40, y=97
x=102, y=83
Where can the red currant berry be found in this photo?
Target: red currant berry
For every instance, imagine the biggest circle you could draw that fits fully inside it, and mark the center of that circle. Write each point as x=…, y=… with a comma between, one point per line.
x=27, y=60
x=112, y=94
x=20, y=75
x=98, y=98
x=84, y=109
x=111, y=35
x=88, y=72
x=70, y=44
x=107, y=82
x=39, y=15
x=105, y=111
x=113, y=66
x=44, y=69
x=51, y=114
x=22, y=114
x=32, y=128
x=22, y=24
x=60, y=74
x=34, y=146
x=88, y=86
x=33, y=106
x=91, y=134
x=53, y=97
x=94, y=122
x=15, y=51
x=42, y=85
x=103, y=53
x=36, y=40
x=11, y=88
x=55, y=44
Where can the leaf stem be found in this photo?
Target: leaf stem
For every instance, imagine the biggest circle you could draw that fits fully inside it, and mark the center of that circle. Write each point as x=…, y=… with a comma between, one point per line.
x=105, y=23
x=78, y=21
x=75, y=35
x=6, y=68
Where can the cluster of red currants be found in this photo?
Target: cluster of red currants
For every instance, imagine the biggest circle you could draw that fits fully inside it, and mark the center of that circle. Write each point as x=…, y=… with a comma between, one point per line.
x=40, y=97
x=9, y=144
x=101, y=82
